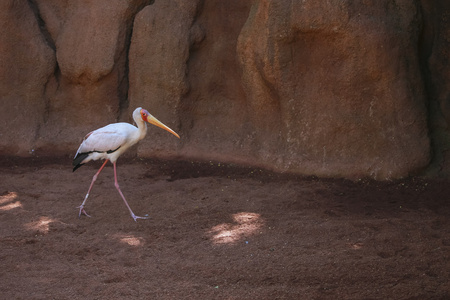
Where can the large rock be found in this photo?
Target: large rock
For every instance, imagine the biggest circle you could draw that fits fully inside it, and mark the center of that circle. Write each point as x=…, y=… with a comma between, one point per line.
x=334, y=89
x=158, y=57
x=89, y=90
x=27, y=62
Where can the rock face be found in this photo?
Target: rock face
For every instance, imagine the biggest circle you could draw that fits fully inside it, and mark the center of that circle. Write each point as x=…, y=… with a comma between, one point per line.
x=338, y=87
x=435, y=60
x=310, y=87
x=90, y=38
x=27, y=63
x=158, y=68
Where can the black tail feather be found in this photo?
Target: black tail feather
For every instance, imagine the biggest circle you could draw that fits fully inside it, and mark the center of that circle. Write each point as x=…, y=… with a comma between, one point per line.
x=78, y=159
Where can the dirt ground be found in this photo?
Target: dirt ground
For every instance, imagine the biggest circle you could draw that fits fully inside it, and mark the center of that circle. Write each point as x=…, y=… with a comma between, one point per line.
x=218, y=232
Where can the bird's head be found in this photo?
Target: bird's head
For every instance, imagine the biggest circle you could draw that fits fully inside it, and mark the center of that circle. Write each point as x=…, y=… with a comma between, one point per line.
x=147, y=117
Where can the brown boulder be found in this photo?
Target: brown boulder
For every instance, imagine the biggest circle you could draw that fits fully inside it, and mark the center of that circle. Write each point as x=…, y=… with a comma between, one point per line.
x=27, y=62
x=89, y=90
x=335, y=90
x=158, y=57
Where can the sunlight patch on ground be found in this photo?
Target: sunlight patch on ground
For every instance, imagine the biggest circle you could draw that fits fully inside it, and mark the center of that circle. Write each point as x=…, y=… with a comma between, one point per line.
x=245, y=224
x=6, y=201
x=130, y=240
x=357, y=246
x=11, y=206
x=42, y=225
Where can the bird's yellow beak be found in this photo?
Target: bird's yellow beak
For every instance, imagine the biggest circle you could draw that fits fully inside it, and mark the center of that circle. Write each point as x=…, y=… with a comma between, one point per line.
x=154, y=121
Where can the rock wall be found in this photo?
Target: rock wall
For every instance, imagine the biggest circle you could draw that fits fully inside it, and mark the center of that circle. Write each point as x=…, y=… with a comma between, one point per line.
x=27, y=64
x=337, y=90
x=435, y=59
x=338, y=87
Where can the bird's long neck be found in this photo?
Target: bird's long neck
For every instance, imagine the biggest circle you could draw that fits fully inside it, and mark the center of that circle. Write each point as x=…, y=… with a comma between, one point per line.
x=142, y=129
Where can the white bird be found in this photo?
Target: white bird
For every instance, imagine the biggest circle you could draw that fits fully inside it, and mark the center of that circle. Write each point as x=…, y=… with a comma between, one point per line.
x=110, y=142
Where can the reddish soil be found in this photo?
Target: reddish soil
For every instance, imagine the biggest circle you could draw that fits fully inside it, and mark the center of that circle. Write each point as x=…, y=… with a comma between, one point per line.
x=218, y=232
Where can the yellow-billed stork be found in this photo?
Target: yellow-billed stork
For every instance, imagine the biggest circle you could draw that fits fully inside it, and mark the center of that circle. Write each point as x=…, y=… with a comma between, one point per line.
x=109, y=143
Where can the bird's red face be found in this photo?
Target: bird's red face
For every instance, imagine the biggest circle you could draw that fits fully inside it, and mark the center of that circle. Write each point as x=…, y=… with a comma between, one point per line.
x=147, y=117
x=144, y=114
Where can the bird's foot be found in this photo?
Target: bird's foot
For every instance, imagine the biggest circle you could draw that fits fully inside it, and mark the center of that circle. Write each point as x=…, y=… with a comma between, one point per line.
x=137, y=217
x=81, y=207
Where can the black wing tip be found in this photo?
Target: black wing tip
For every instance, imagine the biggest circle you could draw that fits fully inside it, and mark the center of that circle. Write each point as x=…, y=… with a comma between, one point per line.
x=76, y=167
x=77, y=161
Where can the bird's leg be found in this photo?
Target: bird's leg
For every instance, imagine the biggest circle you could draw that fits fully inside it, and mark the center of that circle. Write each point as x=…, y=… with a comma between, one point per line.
x=116, y=183
x=81, y=207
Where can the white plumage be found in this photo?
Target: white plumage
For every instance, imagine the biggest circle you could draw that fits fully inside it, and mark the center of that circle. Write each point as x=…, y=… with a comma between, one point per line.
x=110, y=142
